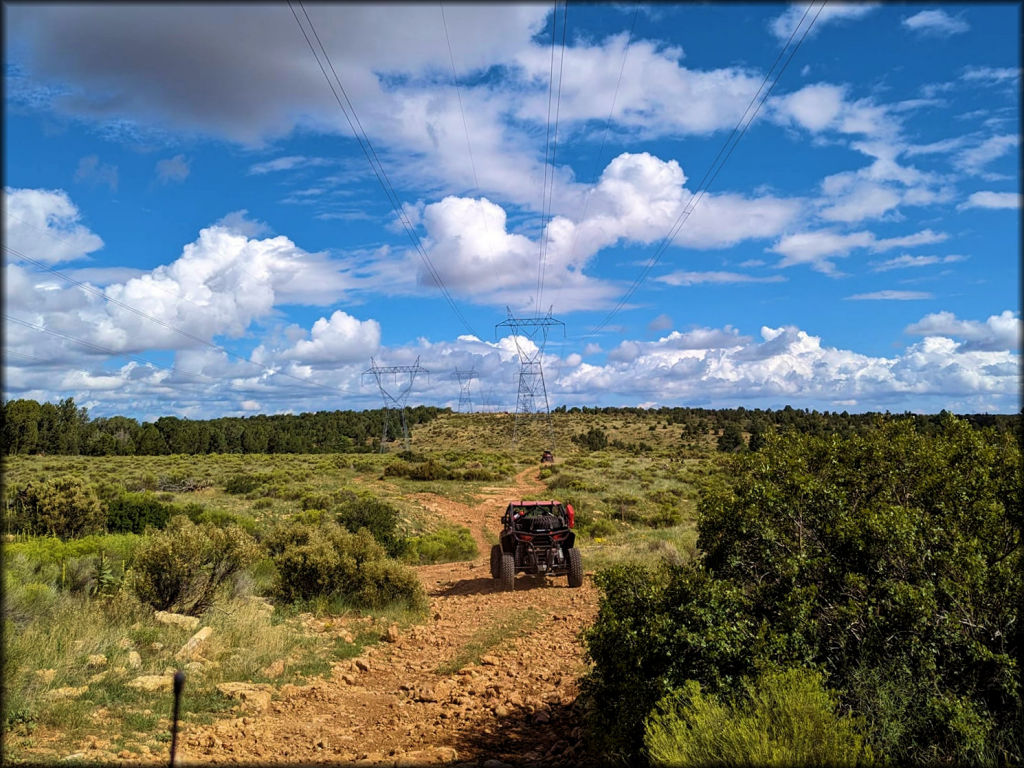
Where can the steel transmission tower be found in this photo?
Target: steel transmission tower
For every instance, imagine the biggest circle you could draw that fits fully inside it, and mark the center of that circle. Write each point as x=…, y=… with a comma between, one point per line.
x=392, y=402
x=465, y=378
x=531, y=372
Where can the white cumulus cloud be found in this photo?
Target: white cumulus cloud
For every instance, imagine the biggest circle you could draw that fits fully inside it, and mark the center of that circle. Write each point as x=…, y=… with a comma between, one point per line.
x=341, y=339
x=1002, y=331
x=44, y=225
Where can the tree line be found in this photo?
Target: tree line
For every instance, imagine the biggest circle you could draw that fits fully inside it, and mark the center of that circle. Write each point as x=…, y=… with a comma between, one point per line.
x=697, y=421
x=29, y=427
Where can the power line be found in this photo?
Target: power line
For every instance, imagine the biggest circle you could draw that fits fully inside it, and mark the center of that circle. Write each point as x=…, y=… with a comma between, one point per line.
x=462, y=112
x=712, y=172
x=371, y=156
x=547, y=192
x=458, y=91
x=103, y=295
x=96, y=348
x=607, y=127
x=56, y=236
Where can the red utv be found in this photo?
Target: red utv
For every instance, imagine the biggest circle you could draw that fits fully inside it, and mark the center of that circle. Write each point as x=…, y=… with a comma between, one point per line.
x=537, y=538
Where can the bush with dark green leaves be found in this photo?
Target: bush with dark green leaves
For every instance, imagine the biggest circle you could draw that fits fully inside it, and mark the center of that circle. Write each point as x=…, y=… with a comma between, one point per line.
x=731, y=439
x=181, y=568
x=356, y=511
x=134, y=512
x=890, y=559
x=65, y=507
x=325, y=560
x=595, y=439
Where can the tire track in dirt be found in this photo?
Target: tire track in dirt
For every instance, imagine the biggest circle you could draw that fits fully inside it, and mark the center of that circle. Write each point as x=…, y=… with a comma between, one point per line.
x=399, y=703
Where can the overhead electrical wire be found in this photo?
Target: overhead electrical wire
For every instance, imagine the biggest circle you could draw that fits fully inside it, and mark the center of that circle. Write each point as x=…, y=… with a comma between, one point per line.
x=604, y=139
x=371, y=156
x=713, y=170
x=55, y=236
x=549, y=158
x=462, y=112
x=458, y=91
x=96, y=348
x=607, y=126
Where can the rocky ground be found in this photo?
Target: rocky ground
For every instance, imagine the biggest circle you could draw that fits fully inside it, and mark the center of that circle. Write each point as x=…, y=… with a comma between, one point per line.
x=489, y=679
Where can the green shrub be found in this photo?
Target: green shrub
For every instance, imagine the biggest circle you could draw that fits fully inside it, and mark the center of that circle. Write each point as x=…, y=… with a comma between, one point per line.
x=385, y=583
x=326, y=561
x=656, y=628
x=447, y=545
x=223, y=518
x=420, y=470
x=375, y=515
x=181, y=568
x=64, y=507
x=595, y=527
x=239, y=484
x=593, y=440
x=786, y=718
x=664, y=517
x=316, y=501
x=891, y=560
x=134, y=512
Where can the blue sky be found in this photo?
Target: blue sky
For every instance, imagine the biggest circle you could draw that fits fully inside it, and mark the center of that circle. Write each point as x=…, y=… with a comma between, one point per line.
x=191, y=228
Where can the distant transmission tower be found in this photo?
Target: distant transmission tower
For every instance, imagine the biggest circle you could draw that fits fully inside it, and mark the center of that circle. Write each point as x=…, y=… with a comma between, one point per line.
x=465, y=378
x=531, y=372
x=394, y=401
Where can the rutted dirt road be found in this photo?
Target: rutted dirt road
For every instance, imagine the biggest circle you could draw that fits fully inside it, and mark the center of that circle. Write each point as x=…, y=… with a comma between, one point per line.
x=399, y=705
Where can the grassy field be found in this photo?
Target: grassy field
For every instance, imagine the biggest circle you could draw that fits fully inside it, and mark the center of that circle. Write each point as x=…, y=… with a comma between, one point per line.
x=73, y=646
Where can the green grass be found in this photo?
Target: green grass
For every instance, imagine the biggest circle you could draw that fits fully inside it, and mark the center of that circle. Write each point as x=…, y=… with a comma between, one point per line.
x=676, y=544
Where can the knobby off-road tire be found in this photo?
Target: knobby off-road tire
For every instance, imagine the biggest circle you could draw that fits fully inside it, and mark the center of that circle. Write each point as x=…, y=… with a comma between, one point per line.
x=575, y=568
x=508, y=571
x=496, y=561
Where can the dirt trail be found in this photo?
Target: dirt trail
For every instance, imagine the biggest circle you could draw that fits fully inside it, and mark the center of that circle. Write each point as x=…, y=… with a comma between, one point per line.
x=398, y=704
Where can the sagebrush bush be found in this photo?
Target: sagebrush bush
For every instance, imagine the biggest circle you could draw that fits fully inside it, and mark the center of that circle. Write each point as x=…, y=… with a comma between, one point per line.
x=181, y=568
x=239, y=484
x=65, y=507
x=326, y=560
x=595, y=527
x=447, y=545
x=785, y=718
x=223, y=518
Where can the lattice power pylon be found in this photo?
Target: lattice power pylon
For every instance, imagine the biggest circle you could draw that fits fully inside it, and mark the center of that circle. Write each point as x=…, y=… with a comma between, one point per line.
x=465, y=378
x=532, y=389
x=392, y=402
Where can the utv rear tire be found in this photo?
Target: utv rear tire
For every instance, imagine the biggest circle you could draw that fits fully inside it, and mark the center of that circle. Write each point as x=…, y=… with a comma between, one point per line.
x=575, y=568
x=496, y=561
x=508, y=571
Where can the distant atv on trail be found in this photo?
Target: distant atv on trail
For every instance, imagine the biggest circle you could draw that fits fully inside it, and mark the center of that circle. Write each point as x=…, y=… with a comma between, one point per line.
x=547, y=458
x=536, y=538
